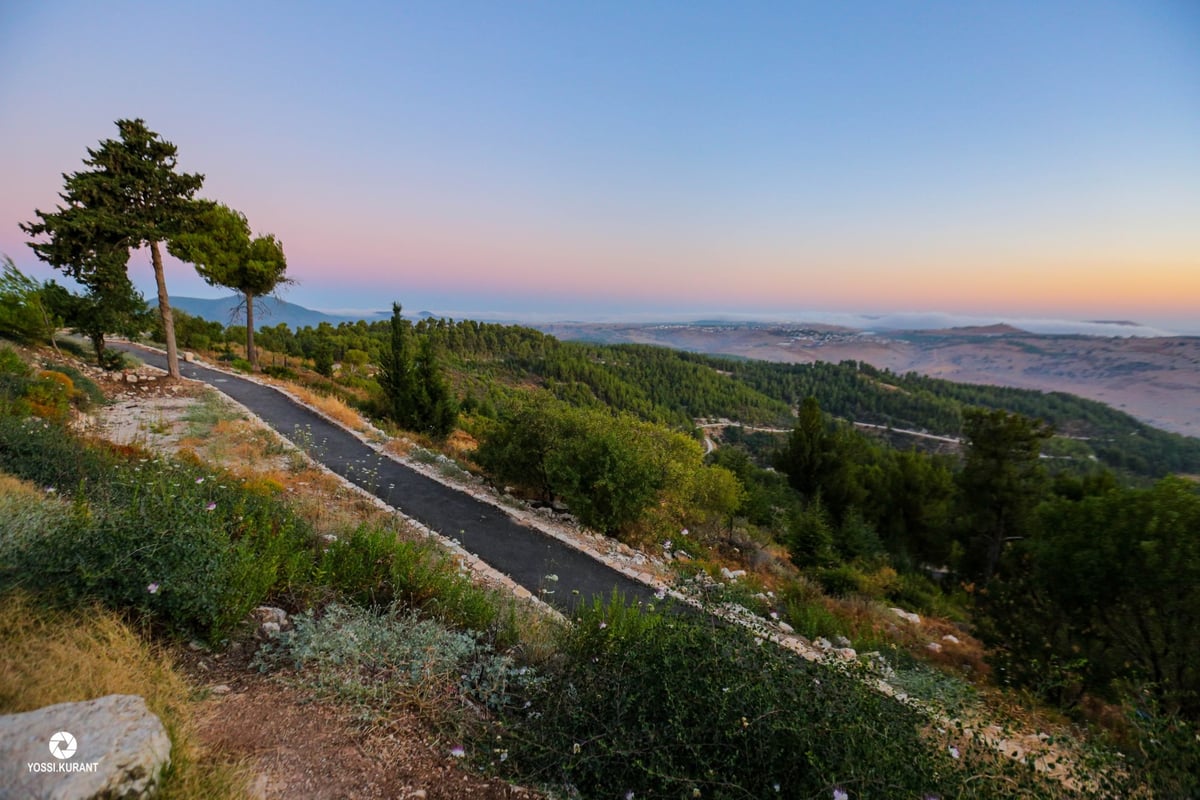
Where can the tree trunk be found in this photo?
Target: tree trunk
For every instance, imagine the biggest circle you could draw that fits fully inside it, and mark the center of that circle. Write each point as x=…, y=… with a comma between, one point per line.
x=164, y=309
x=251, y=355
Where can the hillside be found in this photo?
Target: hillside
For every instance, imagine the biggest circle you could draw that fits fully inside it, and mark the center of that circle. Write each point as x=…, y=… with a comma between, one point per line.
x=1156, y=380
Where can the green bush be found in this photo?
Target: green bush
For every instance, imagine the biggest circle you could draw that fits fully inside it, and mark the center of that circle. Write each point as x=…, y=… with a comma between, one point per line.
x=87, y=392
x=192, y=550
x=380, y=660
x=12, y=364
x=241, y=365
x=667, y=706
x=372, y=566
x=282, y=373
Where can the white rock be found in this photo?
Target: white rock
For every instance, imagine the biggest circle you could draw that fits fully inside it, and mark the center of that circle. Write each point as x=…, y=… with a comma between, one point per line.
x=118, y=734
x=951, y=638
x=907, y=616
x=933, y=647
x=783, y=626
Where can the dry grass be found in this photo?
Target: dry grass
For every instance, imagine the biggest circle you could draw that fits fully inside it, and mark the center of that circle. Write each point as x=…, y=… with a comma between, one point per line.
x=49, y=657
x=331, y=407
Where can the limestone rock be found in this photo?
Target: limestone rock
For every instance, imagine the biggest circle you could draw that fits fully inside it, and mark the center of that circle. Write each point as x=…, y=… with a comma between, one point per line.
x=907, y=616
x=110, y=747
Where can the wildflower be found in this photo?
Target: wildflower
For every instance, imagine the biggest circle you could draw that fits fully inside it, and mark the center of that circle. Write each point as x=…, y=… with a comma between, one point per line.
x=552, y=577
x=603, y=625
x=661, y=594
x=210, y=507
x=775, y=786
x=458, y=751
x=774, y=615
x=199, y=480
x=575, y=748
x=695, y=791
x=954, y=752
x=683, y=532
x=840, y=794
x=629, y=795
x=152, y=588
x=50, y=490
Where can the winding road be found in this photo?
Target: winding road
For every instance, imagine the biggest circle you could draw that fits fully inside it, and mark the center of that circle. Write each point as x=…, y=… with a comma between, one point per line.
x=523, y=553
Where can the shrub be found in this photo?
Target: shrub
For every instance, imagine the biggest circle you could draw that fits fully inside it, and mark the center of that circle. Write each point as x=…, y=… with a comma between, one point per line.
x=158, y=538
x=241, y=365
x=282, y=373
x=380, y=660
x=372, y=566
x=87, y=393
x=668, y=706
x=12, y=364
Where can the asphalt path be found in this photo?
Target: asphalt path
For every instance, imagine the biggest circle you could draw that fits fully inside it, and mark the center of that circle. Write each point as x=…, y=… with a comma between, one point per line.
x=525, y=554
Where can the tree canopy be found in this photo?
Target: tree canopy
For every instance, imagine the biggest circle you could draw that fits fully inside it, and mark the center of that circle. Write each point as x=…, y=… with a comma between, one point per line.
x=130, y=196
x=218, y=242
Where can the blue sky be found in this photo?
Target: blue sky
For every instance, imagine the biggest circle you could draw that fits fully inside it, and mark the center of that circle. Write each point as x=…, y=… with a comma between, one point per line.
x=1009, y=159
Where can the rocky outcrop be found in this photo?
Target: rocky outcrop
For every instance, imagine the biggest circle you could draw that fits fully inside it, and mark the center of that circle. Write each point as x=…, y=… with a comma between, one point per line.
x=111, y=747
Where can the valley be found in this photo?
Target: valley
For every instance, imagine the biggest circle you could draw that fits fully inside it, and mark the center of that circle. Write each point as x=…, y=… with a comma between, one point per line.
x=1156, y=380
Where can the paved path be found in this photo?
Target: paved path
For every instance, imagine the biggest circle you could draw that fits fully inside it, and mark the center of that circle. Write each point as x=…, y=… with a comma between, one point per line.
x=524, y=554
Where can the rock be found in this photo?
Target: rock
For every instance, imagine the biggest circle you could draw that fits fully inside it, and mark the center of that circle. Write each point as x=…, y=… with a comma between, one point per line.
x=848, y=653
x=841, y=641
x=265, y=614
x=220, y=688
x=822, y=643
x=907, y=616
x=951, y=638
x=783, y=626
x=189, y=357
x=109, y=747
x=933, y=647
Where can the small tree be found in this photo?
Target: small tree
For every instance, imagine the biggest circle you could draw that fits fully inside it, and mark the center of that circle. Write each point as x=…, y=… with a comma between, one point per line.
x=396, y=375
x=1000, y=483
x=24, y=313
x=130, y=197
x=218, y=242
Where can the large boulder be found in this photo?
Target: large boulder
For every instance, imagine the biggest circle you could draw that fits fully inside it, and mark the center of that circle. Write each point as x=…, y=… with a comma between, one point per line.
x=112, y=747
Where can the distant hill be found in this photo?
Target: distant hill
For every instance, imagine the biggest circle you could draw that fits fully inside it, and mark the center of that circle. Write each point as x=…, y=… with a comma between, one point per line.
x=268, y=312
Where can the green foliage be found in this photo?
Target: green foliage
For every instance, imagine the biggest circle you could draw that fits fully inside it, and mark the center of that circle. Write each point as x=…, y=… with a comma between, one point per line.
x=666, y=706
x=418, y=397
x=241, y=365
x=380, y=661
x=192, y=550
x=130, y=197
x=282, y=373
x=372, y=566
x=217, y=240
x=610, y=469
x=1000, y=484
x=24, y=313
x=1106, y=592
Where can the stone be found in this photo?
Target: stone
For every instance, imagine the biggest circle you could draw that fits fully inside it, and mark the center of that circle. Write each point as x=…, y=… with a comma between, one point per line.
x=907, y=616
x=783, y=626
x=822, y=643
x=841, y=641
x=933, y=647
x=112, y=746
x=951, y=638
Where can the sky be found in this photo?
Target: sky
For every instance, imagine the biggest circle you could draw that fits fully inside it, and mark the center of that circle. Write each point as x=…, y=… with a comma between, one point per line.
x=580, y=160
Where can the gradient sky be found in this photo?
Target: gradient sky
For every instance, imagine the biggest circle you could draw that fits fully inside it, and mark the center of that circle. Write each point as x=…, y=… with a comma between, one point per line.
x=579, y=158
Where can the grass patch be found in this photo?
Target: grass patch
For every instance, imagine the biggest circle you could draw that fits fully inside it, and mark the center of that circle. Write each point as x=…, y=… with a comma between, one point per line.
x=49, y=657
